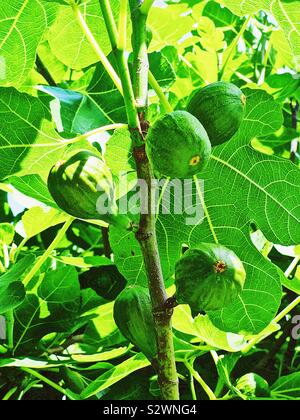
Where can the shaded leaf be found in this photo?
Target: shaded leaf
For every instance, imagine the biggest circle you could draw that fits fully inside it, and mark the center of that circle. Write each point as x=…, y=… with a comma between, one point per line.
x=78, y=114
x=12, y=292
x=287, y=387
x=56, y=309
x=115, y=374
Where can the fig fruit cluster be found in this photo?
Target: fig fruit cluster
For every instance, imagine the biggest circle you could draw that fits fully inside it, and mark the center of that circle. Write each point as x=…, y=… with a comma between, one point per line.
x=209, y=277
x=179, y=143
x=220, y=107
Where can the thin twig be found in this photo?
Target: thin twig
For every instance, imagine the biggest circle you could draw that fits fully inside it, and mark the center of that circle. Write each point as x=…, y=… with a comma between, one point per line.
x=42, y=69
x=106, y=244
x=71, y=340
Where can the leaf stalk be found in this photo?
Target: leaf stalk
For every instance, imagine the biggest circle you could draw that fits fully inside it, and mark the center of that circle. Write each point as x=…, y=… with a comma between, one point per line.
x=96, y=47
